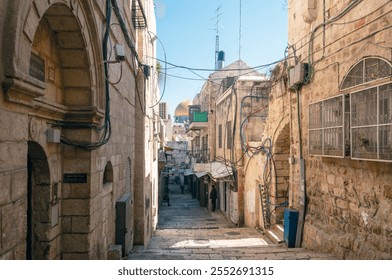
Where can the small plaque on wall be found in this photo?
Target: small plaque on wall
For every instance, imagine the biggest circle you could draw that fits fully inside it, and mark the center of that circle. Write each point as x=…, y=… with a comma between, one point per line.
x=37, y=67
x=75, y=178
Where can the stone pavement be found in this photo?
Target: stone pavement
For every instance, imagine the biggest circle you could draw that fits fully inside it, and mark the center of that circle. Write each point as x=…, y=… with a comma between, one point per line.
x=187, y=231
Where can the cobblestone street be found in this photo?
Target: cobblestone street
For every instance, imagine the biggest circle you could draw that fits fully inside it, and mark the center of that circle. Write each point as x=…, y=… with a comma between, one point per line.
x=187, y=231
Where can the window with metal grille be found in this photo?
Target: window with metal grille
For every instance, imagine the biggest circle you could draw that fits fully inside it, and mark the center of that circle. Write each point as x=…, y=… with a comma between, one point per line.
x=370, y=109
x=359, y=123
x=326, y=127
x=367, y=70
x=371, y=118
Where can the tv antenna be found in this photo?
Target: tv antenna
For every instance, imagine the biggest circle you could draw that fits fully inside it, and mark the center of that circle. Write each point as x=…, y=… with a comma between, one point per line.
x=217, y=17
x=240, y=33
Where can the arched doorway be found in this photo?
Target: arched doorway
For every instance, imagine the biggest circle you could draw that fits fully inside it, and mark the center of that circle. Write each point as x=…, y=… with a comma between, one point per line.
x=280, y=180
x=38, y=203
x=60, y=60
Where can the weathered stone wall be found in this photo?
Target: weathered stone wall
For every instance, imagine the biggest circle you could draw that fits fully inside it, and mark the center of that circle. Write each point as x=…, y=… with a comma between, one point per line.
x=78, y=223
x=349, y=209
x=232, y=107
x=13, y=178
x=347, y=201
x=146, y=169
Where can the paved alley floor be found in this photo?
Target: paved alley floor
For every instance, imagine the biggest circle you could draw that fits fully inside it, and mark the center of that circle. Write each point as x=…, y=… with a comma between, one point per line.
x=187, y=231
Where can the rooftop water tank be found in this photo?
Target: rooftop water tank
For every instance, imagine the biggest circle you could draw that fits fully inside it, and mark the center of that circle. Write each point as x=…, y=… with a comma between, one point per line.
x=221, y=59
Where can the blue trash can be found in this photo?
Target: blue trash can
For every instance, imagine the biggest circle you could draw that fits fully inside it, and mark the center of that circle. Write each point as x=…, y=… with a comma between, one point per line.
x=290, y=227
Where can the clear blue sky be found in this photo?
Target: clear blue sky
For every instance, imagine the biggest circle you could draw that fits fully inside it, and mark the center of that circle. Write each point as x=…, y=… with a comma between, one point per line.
x=187, y=30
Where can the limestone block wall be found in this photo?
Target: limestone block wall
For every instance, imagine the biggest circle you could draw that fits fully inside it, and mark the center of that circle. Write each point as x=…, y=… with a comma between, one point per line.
x=253, y=177
x=347, y=200
x=13, y=175
x=232, y=110
x=65, y=219
x=349, y=211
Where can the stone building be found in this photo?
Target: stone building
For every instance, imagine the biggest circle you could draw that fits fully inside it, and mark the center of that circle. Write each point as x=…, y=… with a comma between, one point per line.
x=330, y=121
x=325, y=149
x=74, y=76
x=215, y=123
x=203, y=131
x=241, y=113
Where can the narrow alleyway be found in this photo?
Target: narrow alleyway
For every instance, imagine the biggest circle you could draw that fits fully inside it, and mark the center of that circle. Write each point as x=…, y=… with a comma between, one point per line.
x=187, y=231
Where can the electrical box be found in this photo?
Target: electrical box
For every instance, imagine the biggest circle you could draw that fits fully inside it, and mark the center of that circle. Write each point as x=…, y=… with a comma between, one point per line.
x=147, y=71
x=297, y=74
x=53, y=135
x=123, y=223
x=119, y=52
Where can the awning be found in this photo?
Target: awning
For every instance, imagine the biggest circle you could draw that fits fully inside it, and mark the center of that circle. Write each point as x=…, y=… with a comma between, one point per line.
x=201, y=174
x=216, y=170
x=220, y=170
x=188, y=172
x=202, y=167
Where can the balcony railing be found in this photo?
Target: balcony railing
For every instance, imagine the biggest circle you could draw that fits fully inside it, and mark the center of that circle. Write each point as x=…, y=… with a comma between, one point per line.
x=201, y=155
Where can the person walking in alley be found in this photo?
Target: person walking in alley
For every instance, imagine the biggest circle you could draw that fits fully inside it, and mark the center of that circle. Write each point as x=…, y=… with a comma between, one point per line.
x=213, y=197
x=166, y=191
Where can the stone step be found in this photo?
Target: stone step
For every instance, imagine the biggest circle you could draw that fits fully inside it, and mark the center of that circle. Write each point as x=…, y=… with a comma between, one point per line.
x=276, y=233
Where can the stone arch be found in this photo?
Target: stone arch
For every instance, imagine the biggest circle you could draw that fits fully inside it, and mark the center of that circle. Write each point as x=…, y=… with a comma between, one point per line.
x=78, y=48
x=280, y=179
x=38, y=203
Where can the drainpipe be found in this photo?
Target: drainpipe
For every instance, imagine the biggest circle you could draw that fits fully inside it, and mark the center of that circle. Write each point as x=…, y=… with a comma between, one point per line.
x=302, y=182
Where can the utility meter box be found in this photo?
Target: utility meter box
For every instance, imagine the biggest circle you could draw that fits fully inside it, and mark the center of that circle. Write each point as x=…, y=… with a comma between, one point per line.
x=53, y=135
x=297, y=74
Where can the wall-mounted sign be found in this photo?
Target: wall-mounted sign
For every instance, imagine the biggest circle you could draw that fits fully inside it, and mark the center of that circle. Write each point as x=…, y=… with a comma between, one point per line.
x=75, y=178
x=37, y=67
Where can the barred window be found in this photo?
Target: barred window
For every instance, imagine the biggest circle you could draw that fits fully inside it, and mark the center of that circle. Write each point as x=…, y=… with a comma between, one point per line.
x=326, y=127
x=359, y=123
x=367, y=70
x=371, y=117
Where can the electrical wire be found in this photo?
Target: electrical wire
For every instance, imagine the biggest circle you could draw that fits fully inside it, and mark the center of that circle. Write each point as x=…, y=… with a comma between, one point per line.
x=222, y=69
x=186, y=78
x=347, y=9
x=125, y=32
x=164, y=81
x=106, y=127
x=105, y=136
